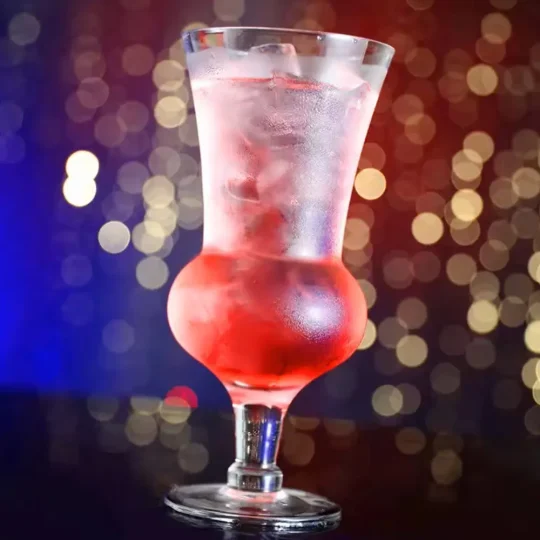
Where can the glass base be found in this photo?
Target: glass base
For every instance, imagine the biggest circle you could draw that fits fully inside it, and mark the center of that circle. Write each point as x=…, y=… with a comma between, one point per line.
x=285, y=511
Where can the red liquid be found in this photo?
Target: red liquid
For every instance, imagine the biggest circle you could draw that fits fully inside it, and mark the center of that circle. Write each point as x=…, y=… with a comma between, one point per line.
x=266, y=323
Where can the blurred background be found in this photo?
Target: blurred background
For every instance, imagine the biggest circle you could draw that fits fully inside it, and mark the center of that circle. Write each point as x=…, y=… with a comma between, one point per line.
x=101, y=206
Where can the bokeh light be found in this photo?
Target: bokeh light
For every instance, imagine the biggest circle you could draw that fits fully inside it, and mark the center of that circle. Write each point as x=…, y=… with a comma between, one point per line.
x=370, y=184
x=79, y=192
x=453, y=148
x=24, y=29
x=411, y=351
x=427, y=228
x=114, y=237
x=387, y=400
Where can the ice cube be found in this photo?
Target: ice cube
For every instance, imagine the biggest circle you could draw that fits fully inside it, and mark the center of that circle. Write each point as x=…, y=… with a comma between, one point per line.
x=244, y=189
x=341, y=74
x=276, y=57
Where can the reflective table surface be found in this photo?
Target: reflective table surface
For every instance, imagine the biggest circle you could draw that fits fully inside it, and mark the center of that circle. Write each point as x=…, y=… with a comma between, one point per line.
x=93, y=468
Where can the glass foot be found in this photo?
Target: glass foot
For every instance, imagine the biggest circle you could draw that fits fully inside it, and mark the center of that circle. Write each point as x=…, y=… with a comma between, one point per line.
x=285, y=511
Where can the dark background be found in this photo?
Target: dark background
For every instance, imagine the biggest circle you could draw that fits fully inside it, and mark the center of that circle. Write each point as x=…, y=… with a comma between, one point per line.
x=77, y=319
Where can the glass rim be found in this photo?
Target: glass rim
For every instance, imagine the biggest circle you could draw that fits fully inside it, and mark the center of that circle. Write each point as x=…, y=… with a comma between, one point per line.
x=318, y=33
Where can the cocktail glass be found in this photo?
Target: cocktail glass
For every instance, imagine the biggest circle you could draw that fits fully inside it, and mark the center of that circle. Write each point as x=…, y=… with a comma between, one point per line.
x=268, y=305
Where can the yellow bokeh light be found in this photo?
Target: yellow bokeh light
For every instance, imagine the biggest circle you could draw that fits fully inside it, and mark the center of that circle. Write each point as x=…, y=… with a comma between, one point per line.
x=356, y=234
x=485, y=286
x=412, y=351
x=369, y=291
x=145, y=404
x=533, y=266
x=79, y=192
x=170, y=112
x=482, y=80
x=480, y=143
x=114, y=237
x=494, y=255
x=519, y=285
x=141, y=430
x=496, y=28
x=502, y=193
x=370, y=184
x=412, y=312
x=526, y=182
x=529, y=372
x=370, y=335
x=512, y=311
x=463, y=233
x=536, y=392
x=502, y=231
x=148, y=237
x=152, y=273
x=482, y=317
x=427, y=228
x=387, y=400
x=82, y=165
x=532, y=336
x=166, y=217
x=467, y=164
x=169, y=75
x=175, y=410
x=467, y=205
x=411, y=398
x=158, y=192
x=461, y=269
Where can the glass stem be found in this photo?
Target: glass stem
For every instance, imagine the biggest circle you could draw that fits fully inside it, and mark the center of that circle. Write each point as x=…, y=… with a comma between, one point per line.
x=257, y=433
